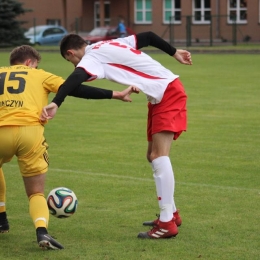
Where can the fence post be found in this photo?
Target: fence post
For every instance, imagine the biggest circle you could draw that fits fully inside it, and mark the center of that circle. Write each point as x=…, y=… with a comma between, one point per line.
x=234, y=31
x=210, y=32
x=171, y=31
x=188, y=31
x=77, y=25
x=34, y=30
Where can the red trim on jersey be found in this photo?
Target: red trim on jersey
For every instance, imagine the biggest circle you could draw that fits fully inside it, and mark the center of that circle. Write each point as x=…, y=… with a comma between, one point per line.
x=93, y=76
x=139, y=73
x=135, y=41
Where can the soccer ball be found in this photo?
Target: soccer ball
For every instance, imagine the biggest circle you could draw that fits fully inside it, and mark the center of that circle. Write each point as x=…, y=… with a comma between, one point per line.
x=62, y=202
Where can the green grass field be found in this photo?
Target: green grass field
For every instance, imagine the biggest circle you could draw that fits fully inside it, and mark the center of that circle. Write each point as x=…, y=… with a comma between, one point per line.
x=97, y=148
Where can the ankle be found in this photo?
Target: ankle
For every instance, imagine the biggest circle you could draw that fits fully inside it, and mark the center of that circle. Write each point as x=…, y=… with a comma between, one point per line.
x=3, y=216
x=41, y=230
x=162, y=223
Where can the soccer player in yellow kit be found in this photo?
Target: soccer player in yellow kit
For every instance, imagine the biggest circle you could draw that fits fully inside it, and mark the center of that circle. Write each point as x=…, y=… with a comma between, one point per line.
x=24, y=90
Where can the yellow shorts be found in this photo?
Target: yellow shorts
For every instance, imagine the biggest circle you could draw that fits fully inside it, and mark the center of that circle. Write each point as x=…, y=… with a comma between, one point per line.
x=28, y=144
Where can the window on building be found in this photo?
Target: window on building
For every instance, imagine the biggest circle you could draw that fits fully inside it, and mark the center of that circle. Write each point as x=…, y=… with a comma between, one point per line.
x=172, y=11
x=237, y=11
x=53, y=22
x=143, y=11
x=97, y=13
x=201, y=10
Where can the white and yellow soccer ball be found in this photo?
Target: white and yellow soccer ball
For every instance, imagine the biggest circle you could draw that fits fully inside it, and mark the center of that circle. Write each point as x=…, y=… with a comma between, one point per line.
x=62, y=202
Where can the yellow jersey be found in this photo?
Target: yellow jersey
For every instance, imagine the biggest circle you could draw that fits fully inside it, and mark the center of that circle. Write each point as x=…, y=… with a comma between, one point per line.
x=23, y=93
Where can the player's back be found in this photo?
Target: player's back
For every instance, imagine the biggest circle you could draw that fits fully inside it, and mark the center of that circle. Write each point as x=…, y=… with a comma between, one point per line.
x=118, y=60
x=23, y=93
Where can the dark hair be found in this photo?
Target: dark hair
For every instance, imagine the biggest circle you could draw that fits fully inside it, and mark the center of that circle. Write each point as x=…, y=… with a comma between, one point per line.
x=20, y=54
x=71, y=41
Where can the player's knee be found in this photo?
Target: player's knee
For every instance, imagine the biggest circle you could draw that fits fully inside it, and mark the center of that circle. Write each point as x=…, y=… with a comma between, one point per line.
x=148, y=158
x=153, y=156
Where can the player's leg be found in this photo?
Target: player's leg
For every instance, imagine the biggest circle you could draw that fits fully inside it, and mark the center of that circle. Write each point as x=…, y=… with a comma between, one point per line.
x=176, y=215
x=164, y=182
x=175, y=211
x=166, y=121
x=33, y=162
x=6, y=154
x=163, y=173
x=159, y=145
x=2, y=192
x=34, y=187
x=4, y=225
x=39, y=211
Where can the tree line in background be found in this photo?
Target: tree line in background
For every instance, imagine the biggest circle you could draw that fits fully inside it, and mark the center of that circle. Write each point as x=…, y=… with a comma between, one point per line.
x=11, y=32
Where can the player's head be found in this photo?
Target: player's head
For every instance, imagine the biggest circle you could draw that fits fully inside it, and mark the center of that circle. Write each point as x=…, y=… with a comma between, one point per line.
x=72, y=48
x=25, y=55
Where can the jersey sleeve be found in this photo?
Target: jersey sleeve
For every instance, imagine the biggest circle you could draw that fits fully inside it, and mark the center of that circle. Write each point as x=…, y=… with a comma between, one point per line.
x=88, y=92
x=52, y=82
x=72, y=82
x=130, y=40
x=151, y=39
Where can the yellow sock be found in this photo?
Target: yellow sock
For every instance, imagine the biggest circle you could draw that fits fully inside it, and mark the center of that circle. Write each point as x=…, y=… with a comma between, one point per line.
x=2, y=191
x=39, y=210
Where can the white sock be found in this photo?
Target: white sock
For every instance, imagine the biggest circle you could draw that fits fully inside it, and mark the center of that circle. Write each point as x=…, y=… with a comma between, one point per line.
x=174, y=209
x=164, y=181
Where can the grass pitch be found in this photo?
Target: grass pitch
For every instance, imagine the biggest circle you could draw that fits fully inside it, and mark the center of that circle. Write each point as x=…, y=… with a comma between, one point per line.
x=97, y=148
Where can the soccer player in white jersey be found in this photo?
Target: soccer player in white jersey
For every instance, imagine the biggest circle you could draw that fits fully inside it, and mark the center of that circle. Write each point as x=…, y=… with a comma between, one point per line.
x=120, y=60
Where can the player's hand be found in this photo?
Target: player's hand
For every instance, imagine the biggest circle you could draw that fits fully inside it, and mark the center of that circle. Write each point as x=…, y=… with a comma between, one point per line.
x=183, y=57
x=48, y=112
x=125, y=94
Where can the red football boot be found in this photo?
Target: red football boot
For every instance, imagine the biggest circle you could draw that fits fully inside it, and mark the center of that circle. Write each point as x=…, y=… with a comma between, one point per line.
x=161, y=230
x=176, y=218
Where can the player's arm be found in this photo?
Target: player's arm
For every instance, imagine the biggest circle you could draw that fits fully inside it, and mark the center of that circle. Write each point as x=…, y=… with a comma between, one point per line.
x=72, y=86
x=146, y=39
x=88, y=92
x=151, y=39
x=72, y=83
x=49, y=111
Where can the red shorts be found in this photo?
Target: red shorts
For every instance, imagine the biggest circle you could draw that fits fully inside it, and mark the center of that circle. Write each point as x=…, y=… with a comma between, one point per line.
x=170, y=114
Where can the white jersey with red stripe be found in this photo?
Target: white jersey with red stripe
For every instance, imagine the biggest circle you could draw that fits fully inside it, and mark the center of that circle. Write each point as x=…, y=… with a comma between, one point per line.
x=119, y=61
